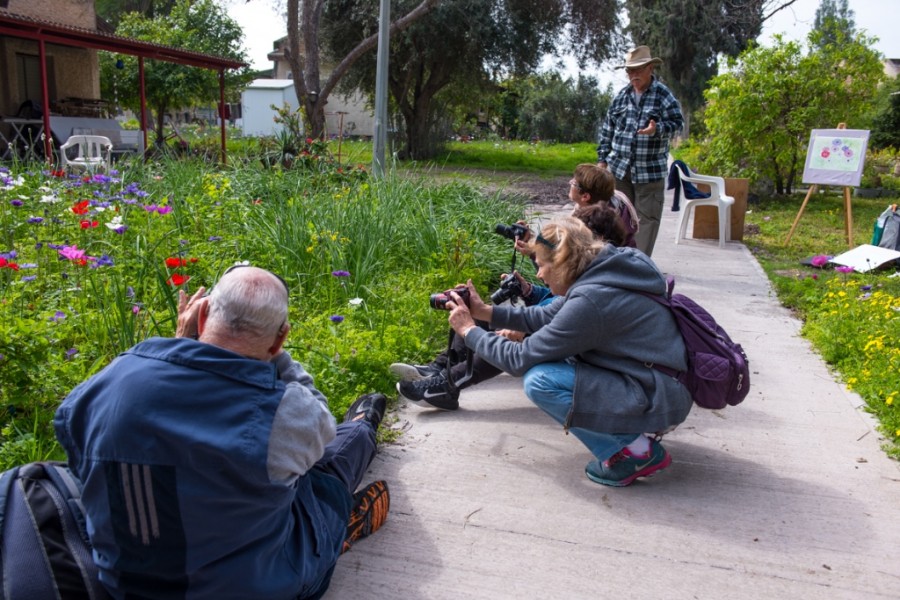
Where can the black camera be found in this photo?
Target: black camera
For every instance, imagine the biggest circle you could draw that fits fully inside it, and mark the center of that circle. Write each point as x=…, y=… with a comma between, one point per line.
x=511, y=231
x=439, y=301
x=510, y=287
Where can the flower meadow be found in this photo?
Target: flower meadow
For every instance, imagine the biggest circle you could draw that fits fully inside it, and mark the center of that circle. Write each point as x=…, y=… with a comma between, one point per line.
x=92, y=264
x=852, y=319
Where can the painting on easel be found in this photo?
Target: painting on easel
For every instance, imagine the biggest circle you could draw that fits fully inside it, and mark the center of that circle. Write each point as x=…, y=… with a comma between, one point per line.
x=836, y=157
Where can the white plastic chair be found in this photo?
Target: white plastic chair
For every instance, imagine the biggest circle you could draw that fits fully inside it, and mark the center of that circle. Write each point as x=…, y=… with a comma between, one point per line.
x=93, y=152
x=716, y=198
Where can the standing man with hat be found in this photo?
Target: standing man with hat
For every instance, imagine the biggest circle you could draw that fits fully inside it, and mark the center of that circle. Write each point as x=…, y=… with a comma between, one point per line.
x=634, y=141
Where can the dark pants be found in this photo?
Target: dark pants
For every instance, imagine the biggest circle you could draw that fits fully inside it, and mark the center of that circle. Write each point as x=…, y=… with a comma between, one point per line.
x=346, y=459
x=482, y=370
x=349, y=454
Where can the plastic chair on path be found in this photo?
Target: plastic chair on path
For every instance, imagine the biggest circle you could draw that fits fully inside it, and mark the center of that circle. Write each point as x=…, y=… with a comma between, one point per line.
x=717, y=198
x=92, y=152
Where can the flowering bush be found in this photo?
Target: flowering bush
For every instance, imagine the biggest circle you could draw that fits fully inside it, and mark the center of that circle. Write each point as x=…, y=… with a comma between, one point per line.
x=91, y=265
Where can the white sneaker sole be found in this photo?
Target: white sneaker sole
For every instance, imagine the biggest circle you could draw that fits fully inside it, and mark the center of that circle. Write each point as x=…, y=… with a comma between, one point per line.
x=405, y=372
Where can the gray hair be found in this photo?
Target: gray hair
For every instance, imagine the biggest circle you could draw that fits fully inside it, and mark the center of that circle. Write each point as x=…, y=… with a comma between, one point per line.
x=248, y=301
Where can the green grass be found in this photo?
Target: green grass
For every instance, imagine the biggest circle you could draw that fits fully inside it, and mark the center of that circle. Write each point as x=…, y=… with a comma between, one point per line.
x=852, y=319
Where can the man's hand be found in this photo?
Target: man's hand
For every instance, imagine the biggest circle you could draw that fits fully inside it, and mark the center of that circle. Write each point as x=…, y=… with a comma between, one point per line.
x=188, y=313
x=650, y=129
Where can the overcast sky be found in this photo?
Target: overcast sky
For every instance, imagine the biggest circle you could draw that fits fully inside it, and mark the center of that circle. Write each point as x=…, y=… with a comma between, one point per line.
x=262, y=25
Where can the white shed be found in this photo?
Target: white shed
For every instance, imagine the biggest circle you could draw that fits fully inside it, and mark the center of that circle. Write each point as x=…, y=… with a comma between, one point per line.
x=257, y=101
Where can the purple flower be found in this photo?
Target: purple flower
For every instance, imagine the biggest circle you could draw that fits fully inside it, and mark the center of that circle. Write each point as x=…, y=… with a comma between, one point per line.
x=340, y=273
x=71, y=352
x=864, y=288
x=843, y=269
x=16, y=202
x=105, y=261
x=36, y=219
x=29, y=278
x=135, y=309
x=214, y=238
x=164, y=210
x=129, y=292
x=336, y=318
x=58, y=316
x=150, y=207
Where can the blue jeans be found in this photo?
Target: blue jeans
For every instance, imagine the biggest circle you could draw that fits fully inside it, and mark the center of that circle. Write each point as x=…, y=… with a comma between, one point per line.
x=550, y=386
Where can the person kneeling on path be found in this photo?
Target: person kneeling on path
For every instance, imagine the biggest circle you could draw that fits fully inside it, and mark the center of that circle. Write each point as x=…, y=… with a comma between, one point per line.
x=589, y=359
x=211, y=464
x=427, y=385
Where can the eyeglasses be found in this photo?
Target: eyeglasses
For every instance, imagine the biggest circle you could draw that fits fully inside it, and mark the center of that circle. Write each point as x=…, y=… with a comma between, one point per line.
x=239, y=265
x=542, y=240
x=573, y=183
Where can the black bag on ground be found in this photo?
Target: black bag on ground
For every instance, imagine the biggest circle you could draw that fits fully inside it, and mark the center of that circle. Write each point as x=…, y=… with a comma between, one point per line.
x=44, y=548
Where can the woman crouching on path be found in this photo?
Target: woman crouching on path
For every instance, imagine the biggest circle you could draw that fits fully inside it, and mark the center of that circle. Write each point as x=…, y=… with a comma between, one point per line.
x=588, y=362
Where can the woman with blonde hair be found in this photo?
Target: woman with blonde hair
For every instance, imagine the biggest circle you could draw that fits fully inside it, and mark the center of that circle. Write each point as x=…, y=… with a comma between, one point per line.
x=589, y=359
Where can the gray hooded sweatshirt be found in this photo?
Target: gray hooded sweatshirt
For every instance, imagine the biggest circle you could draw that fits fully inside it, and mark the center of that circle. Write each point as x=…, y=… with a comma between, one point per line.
x=614, y=336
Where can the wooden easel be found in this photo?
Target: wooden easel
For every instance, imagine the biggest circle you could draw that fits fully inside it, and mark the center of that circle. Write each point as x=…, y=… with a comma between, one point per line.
x=848, y=211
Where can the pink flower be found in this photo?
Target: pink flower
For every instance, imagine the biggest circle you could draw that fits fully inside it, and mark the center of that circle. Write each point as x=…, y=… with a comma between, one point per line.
x=844, y=269
x=819, y=261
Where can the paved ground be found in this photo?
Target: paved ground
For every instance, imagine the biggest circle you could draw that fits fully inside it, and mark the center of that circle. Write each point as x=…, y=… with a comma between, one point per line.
x=785, y=496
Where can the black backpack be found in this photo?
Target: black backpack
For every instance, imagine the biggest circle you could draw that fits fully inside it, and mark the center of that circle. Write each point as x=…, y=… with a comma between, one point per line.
x=44, y=548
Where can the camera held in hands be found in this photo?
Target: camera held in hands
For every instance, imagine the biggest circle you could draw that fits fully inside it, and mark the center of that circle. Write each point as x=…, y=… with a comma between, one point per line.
x=510, y=287
x=511, y=231
x=439, y=301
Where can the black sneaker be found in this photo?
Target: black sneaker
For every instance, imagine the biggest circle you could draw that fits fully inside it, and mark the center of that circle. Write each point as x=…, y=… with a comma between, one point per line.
x=369, y=407
x=434, y=391
x=370, y=510
x=414, y=372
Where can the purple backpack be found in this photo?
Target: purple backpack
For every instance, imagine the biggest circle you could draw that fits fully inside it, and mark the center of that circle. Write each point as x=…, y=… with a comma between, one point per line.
x=718, y=373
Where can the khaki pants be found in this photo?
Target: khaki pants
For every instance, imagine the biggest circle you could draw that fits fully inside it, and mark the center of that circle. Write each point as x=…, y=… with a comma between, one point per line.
x=648, y=200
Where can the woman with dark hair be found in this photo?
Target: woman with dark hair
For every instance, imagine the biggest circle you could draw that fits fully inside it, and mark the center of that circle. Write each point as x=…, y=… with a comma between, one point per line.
x=589, y=359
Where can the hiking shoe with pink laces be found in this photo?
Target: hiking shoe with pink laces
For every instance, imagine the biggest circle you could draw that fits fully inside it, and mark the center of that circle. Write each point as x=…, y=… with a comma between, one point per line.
x=622, y=468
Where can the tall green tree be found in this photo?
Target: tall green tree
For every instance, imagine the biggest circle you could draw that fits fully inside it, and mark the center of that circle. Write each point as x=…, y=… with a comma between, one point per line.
x=113, y=10
x=886, y=124
x=833, y=17
x=691, y=36
x=760, y=112
x=470, y=45
x=197, y=25
x=304, y=21
x=562, y=109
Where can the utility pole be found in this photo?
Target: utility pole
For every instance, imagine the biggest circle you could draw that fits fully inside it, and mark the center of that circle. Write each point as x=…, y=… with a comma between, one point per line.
x=381, y=73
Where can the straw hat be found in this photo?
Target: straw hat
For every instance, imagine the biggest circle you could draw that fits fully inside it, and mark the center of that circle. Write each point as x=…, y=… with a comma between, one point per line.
x=639, y=57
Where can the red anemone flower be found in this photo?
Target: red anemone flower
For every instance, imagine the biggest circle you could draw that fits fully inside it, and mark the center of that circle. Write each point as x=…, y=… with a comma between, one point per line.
x=88, y=224
x=177, y=279
x=81, y=208
x=173, y=262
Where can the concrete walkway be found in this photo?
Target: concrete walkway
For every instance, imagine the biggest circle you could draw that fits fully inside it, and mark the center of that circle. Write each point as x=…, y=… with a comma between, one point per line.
x=786, y=496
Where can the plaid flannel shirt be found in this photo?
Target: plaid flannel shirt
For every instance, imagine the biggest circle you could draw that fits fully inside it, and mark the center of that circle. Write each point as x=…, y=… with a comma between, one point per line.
x=621, y=148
